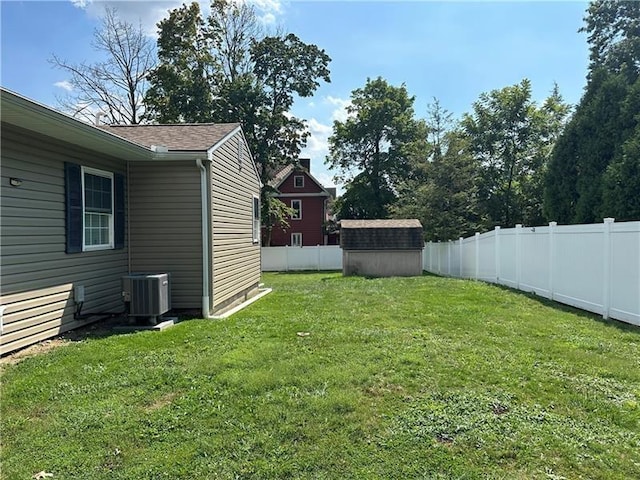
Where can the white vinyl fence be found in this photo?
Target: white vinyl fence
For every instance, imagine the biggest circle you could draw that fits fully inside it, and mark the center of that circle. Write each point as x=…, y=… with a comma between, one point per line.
x=593, y=267
x=284, y=259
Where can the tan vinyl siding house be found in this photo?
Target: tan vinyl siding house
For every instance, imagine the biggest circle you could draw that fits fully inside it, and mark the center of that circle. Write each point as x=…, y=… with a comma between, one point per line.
x=168, y=196
x=154, y=223
x=37, y=275
x=235, y=266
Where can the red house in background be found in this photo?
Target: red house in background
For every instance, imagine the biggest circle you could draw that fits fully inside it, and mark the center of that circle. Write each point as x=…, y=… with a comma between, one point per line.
x=298, y=189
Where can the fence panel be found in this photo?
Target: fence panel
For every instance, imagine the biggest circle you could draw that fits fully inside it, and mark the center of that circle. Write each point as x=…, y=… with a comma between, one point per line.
x=625, y=272
x=534, y=273
x=507, y=258
x=282, y=259
x=469, y=258
x=487, y=260
x=578, y=269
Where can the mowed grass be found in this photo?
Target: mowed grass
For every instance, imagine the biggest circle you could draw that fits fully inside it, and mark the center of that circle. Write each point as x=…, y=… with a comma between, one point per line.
x=398, y=378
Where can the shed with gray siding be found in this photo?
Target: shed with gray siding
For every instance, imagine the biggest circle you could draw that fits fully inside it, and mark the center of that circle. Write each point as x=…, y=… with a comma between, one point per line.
x=381, y=248
x=173, y=198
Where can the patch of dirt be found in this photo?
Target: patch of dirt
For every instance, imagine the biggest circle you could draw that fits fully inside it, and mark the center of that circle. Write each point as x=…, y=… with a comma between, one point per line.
x=499, y=409
x=444, y=438
x=163, y=401
x=37, y=349
x=383, y=389
x=100, y=328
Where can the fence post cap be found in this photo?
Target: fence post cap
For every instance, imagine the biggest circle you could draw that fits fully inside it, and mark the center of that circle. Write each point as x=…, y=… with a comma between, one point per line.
x=497, y=227
x=477, y=234
x=609, y=220
x=518, y=225
x=553, y=224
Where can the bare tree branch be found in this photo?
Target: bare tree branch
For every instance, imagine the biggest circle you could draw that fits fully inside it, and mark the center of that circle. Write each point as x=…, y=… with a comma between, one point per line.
x=116, y=85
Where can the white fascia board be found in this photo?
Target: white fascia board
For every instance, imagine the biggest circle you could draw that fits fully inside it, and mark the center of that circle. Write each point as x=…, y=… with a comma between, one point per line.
x=178, y=156
x=221, y=142
x=228, y=136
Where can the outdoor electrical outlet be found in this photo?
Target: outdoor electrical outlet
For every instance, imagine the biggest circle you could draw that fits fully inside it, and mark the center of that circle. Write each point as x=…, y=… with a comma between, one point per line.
x=78, y=293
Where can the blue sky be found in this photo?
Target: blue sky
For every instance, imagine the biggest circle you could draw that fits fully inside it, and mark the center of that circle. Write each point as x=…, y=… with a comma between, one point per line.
x=453, y=51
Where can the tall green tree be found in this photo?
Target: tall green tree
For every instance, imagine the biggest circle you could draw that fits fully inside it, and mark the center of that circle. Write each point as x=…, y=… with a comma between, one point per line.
x=224, y=69
x=180, y=86
x=613, y=29
x=445, y=199
x=372, y=148
x=509, y=136
x=593, y=172
x=441, y=190
x=621, y=179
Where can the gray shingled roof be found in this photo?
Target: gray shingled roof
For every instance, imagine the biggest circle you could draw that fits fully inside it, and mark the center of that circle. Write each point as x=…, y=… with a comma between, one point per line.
x=189, y=137
x=403, y=223
x=381, y=235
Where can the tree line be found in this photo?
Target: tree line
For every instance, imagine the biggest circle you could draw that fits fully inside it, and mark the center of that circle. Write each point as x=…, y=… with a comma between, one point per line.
x=509, y=160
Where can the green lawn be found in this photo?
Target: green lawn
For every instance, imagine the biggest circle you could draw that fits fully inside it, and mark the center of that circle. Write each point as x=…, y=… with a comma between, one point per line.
x=399, y=378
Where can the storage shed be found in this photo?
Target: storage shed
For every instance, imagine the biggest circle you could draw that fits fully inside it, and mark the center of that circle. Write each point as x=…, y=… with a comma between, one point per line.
x=381, y=248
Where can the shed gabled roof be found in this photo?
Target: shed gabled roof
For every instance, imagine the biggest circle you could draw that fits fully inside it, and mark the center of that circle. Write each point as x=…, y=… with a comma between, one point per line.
x=185, y=137
x=381, y=235
x=402, y=223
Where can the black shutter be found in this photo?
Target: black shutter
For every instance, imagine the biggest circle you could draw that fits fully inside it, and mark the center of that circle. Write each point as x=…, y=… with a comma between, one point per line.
x=73, y=201
x=118, y=214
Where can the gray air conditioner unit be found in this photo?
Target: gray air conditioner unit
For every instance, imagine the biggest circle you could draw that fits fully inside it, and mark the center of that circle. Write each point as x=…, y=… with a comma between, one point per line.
x=148, y=294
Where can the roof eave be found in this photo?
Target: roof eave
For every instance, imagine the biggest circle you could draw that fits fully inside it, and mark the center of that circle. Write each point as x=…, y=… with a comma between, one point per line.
x=27, y=114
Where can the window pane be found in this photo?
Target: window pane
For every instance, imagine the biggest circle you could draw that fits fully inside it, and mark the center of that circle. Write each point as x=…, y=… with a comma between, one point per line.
x=97, y=193
x=97, y=231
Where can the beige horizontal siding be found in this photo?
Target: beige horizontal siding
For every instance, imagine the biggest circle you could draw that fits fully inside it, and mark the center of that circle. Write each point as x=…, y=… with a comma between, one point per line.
x=37, y=276
x=236, y=260
x=166, y=229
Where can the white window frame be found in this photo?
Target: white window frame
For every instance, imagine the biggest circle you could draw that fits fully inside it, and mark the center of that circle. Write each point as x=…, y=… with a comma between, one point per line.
x=298, y=241
x=295, y=179
x=299, y=209
x=255, y=216
x=105, y=246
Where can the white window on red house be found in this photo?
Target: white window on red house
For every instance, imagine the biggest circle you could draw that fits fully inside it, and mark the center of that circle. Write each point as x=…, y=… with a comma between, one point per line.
x=296, y=239
x=296, y=205
x=298, y=181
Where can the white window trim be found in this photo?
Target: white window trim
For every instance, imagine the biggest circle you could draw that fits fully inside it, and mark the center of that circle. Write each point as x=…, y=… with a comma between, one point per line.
x=110, y=246
x=294, y=235
x=255, y=226
x=299, y=217
x=295, y=177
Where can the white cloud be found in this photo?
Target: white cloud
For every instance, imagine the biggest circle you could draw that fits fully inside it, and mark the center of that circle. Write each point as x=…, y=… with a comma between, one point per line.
x=268, y=19
x=268, y=5
x=64, y=84
x=317, y=150
x=145, y=13
x=325, y=179
x=318, y=140
x=149, y=12
x=340, y=112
